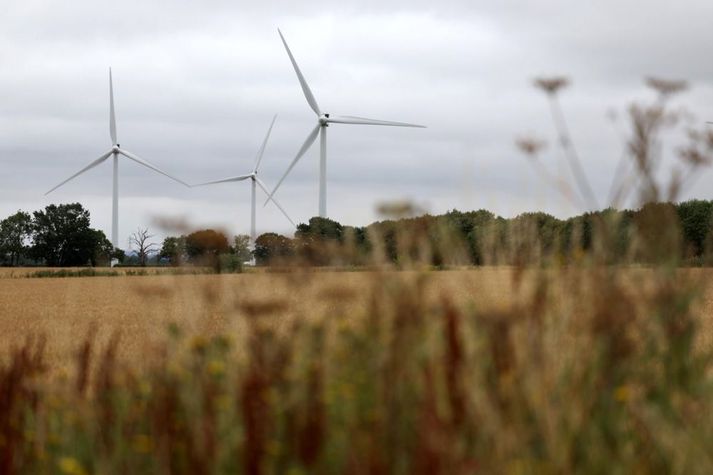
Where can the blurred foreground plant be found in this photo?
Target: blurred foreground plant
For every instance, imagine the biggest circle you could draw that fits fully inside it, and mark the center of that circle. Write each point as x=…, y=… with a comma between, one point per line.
x=580, y=369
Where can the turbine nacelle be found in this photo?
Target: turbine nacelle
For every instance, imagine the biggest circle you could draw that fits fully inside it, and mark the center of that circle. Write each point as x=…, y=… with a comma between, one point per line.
x=324, y=120
x=116, y=148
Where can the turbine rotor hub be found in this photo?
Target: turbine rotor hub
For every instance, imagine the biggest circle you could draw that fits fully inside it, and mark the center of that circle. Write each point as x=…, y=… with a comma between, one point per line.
x=324, y=119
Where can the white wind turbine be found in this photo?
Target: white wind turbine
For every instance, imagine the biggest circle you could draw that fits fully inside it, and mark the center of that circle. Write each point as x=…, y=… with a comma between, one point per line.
x=114, y=152
x=323, y=121
x=255, y=183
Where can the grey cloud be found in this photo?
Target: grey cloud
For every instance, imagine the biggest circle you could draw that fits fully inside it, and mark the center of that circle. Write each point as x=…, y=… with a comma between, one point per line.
x=197, y=83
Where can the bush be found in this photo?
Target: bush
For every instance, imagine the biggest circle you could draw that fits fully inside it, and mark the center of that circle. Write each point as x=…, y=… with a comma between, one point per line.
x=230, y=264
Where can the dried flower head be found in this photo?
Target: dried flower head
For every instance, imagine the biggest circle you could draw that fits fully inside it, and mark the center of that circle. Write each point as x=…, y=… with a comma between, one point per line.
x=666, y=87
x=694, y=157
x=699, y=151
x=530, y=146
x=552, y=85
x=175, y=224
x=708, y=139
x=399, y=209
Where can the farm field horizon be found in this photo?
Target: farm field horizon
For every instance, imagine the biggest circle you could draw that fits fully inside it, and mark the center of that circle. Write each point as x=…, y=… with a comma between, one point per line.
x=140, y=309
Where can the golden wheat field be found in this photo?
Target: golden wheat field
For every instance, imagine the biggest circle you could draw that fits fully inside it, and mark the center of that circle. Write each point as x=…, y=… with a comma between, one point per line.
x=478, y=370
x=140, y=308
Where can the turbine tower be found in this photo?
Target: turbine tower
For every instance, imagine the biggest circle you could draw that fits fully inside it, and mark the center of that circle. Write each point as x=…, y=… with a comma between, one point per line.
x=323, y=121
x=115, y=151
x=255, y=182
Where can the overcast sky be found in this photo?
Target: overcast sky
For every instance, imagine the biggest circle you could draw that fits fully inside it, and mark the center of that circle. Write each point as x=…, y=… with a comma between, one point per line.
x=197, y=82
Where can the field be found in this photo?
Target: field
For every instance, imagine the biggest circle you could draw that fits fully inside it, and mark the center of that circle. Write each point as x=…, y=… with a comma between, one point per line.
x=141, y=308
x=491, y=369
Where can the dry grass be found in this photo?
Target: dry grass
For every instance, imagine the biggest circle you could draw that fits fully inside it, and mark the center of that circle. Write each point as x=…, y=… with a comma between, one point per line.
x=141, y=308
x=490, y=370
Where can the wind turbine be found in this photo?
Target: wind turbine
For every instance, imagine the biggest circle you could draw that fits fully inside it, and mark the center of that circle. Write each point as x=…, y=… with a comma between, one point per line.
x=114, y=152
x=323, y=121
x=255, y=183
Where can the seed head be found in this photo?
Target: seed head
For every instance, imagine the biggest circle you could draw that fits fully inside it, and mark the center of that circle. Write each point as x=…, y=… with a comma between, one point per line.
x=694, y=157
x=552, y=85
x=530, y=146
x=666, y=87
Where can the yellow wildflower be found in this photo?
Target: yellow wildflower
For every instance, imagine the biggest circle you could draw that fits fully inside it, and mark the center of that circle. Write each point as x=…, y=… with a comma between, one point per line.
x=142, y=444
x=71, y=466
x=199, y=344
x=622, y=393
x=216, y=367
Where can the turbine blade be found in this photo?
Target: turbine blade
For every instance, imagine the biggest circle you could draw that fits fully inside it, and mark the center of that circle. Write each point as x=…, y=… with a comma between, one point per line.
x=305, y=146
x=348, y=119
x=264, y=189
x=264, y=144
x=88, y=167
x=143, y=162
x=225, y=180
x=305, y=88
x=112, y=116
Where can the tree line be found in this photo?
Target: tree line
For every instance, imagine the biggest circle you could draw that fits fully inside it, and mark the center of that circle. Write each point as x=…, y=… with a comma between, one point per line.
x=60, y=235
x=206, y=247
x=654, y=232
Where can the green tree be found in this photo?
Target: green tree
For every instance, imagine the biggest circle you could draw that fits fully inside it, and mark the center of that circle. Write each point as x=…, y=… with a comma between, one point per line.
x=241, y=247
x=537, y=231
x=471, y=226
x=61, y=236
x=103, y=250
x=695, y=216
x=386, y=233
x=320, y=228
x=173, y=249
x=658, y=231
x=357, y=245
x=15, y=233
x=318, y=241
x=118, y=254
